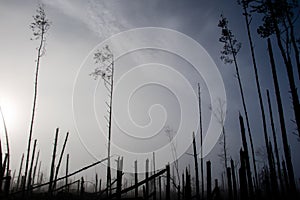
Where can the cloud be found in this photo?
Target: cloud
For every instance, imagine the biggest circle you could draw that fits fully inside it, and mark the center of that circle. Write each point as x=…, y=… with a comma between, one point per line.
x=102, y=17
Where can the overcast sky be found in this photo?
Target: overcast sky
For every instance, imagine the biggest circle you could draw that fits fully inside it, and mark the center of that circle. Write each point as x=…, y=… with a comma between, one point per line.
x=77, y=28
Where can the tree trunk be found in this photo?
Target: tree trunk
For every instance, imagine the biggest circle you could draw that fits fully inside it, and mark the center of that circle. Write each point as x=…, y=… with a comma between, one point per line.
x=246, y=157
x=275, y=144
x=285, y=142
x=196, y=167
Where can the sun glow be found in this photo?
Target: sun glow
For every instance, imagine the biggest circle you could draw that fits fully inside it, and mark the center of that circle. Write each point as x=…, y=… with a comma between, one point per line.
x=9, y=112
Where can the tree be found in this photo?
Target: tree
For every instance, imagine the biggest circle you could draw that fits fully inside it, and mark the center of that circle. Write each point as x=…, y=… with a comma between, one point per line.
x=104, y=60
x=39, y=27
x=230, y=49
x=277, y=20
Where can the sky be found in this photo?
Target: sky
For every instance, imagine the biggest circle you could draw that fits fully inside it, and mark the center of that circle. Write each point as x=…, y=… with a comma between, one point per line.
x=162, y=46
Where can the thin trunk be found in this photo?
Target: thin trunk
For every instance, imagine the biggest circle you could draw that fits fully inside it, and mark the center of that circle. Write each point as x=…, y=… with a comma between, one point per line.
x=168, y=196
x=285, y=142
x=60, y=159
x=242, y=175
x=196, y=167
x=229, y=183
x=245, y=5
x=275, y=144
x=245, y=111
x=31, y=165
x=20, y=171
x=33, y=107
x=119, y=177
x=188, y=188
x=234, y=185
x=35, y=167
x=7, y=142
x=147, y=178
x=208, y=182
x=53, y=163
x=67, y=172
x=96, y=184
x=136, y=191
x=39, y=173
x=154, y=181
x=246, y=157
x=201, y=142
x=108, y=173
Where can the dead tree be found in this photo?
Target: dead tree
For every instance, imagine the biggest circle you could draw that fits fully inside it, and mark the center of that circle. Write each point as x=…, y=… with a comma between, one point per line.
x=168, y=185
x=196, y=167
x=60, y=159
x=136, y=191
x=20, y=171
x=40, y=27
x=242, y=175
x=286, y=148
x=105, y=69
x=53, y=163
x=208, y=180
x=7, y=143
x=147, y=180
x=67, y=172
x=273, y=17
x=119, y=176
x=232, y=47
x=246, y=157
x=201, y=143
x=31, y=165
x=275, y=144
x=234, y=185
x=154, y=179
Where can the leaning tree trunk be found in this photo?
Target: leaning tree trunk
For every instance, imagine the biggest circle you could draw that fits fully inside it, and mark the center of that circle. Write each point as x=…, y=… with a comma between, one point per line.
x=275, y=144
x=289, y=70
x=246, y=157
x=246, y=113
x=285, y=142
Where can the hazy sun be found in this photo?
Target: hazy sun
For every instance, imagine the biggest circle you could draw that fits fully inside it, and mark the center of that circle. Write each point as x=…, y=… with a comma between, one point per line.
x=8, y=110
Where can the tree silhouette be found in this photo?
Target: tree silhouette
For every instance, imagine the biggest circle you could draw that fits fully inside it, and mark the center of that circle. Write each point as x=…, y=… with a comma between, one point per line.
x=104, y=60
x=230, y=49
x=39, y=27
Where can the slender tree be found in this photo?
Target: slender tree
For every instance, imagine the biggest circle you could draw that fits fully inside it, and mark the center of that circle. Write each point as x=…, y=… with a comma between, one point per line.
x=275, y=144
x=274, y=20
x=196, y=167
x=7, y=142
x=40, y=27
x=104, y=60
x=201, y=142
x=286, y=147
x=229, y=53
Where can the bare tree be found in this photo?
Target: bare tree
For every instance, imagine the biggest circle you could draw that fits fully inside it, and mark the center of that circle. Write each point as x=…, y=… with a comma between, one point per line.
x=40, y=27
x=169, y=132
x=104, y=60
x=230, y=49
x=277, y=20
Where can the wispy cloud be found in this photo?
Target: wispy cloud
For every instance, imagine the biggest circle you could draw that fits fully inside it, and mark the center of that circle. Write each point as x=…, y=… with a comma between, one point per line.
x=102, y=17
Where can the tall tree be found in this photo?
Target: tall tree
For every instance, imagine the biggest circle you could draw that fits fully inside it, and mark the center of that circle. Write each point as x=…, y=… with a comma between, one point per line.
x=275, y=144
x=230, y=49
x=104, y=60
x=275, y=23
x=201, y=143
x=40, y=27
x=286, y=147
